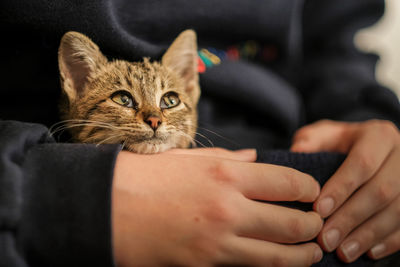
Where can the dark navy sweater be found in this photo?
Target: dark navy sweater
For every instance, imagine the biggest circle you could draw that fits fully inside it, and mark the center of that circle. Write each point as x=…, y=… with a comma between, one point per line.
x=55, y=196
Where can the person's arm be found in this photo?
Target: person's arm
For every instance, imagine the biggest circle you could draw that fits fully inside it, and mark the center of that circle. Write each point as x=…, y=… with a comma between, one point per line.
x=55, y=199
x=56, y=206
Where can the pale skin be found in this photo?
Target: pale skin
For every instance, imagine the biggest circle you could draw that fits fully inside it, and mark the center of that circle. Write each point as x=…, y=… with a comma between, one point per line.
x=361, y=201
x=365, y=193
x=165, y=213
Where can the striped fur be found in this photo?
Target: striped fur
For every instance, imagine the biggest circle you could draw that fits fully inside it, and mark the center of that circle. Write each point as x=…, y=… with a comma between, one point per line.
x=89, y=81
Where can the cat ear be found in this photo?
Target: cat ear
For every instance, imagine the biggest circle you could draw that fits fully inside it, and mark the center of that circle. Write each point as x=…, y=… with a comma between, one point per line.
x=181, y=57
x=78, y=58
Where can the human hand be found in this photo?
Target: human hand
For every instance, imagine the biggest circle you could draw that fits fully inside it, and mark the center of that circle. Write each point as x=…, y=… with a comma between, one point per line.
x=363, y=197
x=196, y=208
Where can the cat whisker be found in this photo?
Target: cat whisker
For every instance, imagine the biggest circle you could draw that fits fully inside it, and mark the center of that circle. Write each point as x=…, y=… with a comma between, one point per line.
x=220, y=136
x=199, y=134
x=205, y=137
x=109, y=138
x=65, y=127
x=91, y=122
x=182, y=131
x=62, y=128
x=79, y=121
x=67, y=124
x=124, y=143
x=193, y=141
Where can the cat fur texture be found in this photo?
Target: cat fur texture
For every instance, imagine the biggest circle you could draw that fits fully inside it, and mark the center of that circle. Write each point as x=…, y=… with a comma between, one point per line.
x=146, y=106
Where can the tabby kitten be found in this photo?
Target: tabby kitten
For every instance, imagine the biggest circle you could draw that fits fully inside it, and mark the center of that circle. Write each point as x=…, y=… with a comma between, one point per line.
x=148, y=107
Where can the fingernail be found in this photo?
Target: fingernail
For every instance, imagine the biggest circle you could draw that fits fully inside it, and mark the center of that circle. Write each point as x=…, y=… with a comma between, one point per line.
x=331, y=239
x=350, y=249
x=378, y=250
x=317, y=255
x=325, y=206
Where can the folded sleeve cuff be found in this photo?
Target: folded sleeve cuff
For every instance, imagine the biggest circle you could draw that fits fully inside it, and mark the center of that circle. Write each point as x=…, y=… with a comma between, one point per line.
x=66, y=210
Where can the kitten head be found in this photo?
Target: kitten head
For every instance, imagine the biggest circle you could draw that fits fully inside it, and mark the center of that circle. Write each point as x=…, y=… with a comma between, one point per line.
x=148, y=107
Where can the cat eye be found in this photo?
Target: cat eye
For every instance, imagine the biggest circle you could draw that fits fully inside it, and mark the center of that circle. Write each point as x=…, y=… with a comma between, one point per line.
x=169, y=100
x=123, y=99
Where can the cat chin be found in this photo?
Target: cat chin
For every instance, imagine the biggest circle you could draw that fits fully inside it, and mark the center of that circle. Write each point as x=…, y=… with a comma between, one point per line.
x=148, y=148
x=157, y=145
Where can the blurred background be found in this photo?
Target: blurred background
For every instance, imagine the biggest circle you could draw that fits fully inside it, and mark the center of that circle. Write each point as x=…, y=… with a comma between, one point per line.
x=383, y=38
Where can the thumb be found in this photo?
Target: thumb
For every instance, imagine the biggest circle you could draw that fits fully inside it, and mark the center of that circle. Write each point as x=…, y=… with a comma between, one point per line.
x=306, y=146
x=321, y=136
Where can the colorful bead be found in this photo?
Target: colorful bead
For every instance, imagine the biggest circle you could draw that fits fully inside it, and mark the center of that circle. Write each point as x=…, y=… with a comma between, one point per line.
x=221, y=54
x=205, y=59
x=250, y=50
x=232, y=53
x=201, y=67
x=213, y=58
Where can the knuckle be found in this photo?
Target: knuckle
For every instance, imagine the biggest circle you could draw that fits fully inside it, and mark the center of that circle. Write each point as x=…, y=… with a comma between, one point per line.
x=304, y=228
x=384, y=194
x=344, y=190
x=369, y=236
x=346, y=221
x=366, y=164
x=218, y=211
x=350, y=185
x=294, y=184
x=296, y=228
x=349, y=222
x=221, y=172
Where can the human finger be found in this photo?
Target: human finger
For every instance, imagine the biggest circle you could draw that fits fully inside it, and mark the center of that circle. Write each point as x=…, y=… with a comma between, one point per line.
x=386, y=247
x=366, y=156
x=324, y=135
x=252, y=252
x=272, y=182
x=373, y=197
x=372, y=232
x=240, y=155
x=275, y=223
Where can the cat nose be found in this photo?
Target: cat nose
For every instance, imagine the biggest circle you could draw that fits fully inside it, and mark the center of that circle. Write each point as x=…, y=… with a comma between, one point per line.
x=153, y=121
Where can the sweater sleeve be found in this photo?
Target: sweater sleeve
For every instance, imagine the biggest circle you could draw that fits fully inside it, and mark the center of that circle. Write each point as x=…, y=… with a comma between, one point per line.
x=55, y=199
x=337, y=80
